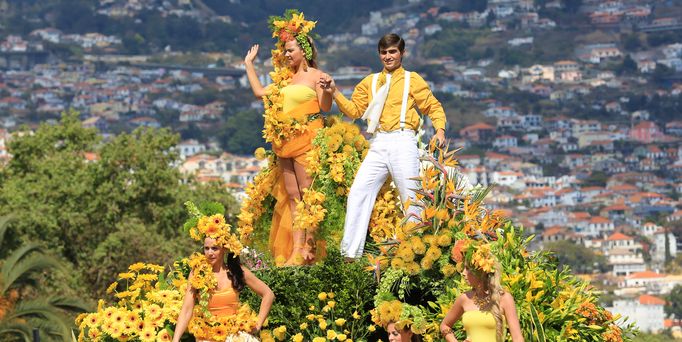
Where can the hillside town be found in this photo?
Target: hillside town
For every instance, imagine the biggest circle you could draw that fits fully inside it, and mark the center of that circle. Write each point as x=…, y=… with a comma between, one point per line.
x=610, y=183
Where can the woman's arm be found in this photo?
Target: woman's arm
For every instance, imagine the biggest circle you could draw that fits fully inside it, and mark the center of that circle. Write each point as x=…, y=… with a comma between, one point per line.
x=509, y=307
x=324, y=92
x=256, y=86
x=262, y=290
x=451, y=317
x=185, y=313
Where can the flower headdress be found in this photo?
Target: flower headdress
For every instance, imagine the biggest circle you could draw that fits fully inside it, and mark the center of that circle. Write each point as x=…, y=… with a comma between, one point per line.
x=279, y=128
x=208, y=220
x=474, y=252
x=293, y=26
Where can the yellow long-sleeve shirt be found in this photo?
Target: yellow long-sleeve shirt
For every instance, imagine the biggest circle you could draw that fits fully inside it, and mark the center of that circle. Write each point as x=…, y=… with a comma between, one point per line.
x=420, y=96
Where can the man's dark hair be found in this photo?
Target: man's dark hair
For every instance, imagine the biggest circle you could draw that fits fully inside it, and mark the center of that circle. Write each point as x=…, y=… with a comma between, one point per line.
x=389, y=40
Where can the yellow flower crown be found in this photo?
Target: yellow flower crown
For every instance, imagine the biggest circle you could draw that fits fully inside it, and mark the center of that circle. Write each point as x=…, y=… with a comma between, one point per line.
x=293, y=26
x=209, y=221
x=474, y=253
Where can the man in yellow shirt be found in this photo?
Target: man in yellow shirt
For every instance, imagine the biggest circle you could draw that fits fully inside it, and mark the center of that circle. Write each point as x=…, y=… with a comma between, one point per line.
x=387, y=100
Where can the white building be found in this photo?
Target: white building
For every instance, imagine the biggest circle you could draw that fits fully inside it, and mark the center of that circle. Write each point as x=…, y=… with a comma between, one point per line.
x=504, y=142
x=658, y=250
x=511, y=179
x=190, y=147
x=599, y=225
x=625, y=262
x=646, y=312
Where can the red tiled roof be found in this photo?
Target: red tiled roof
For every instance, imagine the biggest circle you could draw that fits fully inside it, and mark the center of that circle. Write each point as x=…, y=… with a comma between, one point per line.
x=553, y=231
x=645, y=274
x=650, y=300
x=479, y=125
x=618, y=236
x=599, y=219
x=644, y=125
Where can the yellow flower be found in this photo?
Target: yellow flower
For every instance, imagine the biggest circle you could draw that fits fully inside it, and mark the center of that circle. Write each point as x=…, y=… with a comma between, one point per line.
x=444, y=240
x=322, y=296
x=265, y=336
x=303, y=326
x=297, y=338
x=136, y=266
x=331, y=295
x=331, y=303
x=340, y=322
x=280, y=332
x=418, y=246
x=331, y=334
x=448, y=270
x=372, y=328
x=112, y=287
x=322, y=324
x=319, y=339
x=341, y=337
x=356, y=315
x=126, y=275
x=259, y=153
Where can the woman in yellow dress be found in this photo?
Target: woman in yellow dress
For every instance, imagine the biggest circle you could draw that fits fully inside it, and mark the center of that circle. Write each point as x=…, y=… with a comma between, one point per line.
x=305, y=94
x=486, y=309
x=231, y=278
x=218, y=277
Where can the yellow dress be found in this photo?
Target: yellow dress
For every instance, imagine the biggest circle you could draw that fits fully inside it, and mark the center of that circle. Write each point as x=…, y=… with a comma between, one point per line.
x=300, y=102
x=480, y=326
x=294, y=95
x=225, y=302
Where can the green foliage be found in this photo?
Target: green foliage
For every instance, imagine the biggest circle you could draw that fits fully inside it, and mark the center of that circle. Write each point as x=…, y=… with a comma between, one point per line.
x=241, y=132
x=628, y=66
x=673, y=306
x=632, y=42
x=76, y=207
x=579, y=258
x=661, y=73
x=643, y=337
x=296, y=289
x=21, y=306
x=597, y=178
x=454, y=42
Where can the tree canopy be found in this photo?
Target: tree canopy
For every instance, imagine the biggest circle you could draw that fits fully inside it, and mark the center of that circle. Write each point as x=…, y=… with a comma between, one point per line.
x=96, y=203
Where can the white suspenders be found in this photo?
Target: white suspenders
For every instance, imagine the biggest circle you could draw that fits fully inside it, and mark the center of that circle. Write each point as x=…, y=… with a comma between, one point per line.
x=406, y=93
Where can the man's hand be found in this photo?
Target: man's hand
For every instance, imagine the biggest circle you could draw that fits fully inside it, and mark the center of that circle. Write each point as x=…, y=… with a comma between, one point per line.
x=440, y=137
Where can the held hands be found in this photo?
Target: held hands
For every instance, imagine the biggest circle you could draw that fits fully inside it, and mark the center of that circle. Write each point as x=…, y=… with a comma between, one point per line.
x=251, y=55
x=327, y=83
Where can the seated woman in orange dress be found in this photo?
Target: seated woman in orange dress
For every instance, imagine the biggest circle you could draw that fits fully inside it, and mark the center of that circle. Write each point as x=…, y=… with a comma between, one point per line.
x=485, y=308
x=297, y=100
x=221, y=278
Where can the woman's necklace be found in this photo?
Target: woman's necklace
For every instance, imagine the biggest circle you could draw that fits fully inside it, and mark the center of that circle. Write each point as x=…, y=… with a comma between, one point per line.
x=484, y=302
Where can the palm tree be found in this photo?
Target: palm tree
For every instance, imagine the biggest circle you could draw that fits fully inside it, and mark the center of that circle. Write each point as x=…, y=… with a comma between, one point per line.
x=19, y=315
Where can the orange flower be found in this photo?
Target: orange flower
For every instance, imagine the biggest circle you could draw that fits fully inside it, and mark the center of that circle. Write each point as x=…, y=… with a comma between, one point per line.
x=457, y=253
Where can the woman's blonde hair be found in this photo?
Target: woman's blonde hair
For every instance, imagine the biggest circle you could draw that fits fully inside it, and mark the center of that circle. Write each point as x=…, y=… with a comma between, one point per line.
x=496, y=292
x=492, y=282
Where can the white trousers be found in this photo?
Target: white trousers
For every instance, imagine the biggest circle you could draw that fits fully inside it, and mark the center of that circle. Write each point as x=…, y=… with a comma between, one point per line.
x=389, y=152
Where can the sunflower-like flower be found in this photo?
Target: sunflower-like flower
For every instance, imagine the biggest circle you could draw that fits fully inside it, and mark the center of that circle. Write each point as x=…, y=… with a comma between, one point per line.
x=210, y=223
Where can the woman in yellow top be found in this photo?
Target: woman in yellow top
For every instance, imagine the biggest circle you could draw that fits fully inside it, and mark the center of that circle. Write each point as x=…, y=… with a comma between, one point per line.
x=485, y=310
x=305, y=94
x=231, y=278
